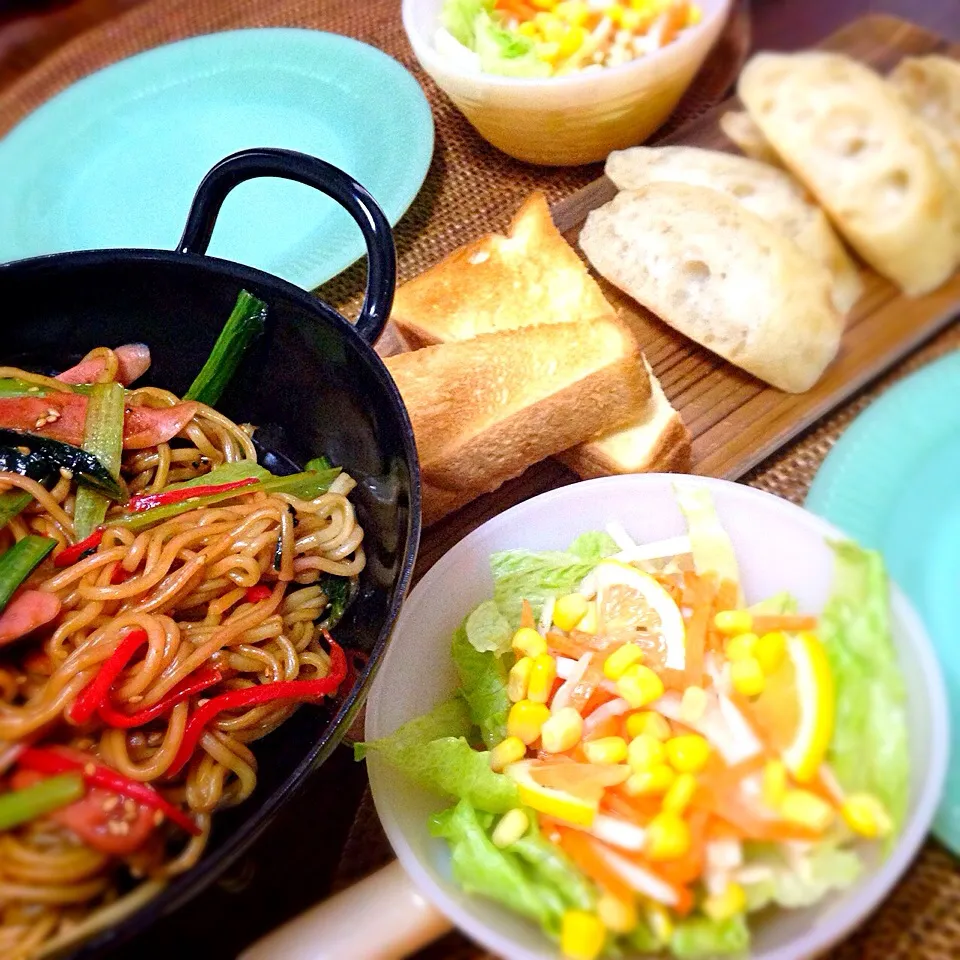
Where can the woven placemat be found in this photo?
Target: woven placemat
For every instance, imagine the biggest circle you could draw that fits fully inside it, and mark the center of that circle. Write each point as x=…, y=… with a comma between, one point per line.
x=470, y=189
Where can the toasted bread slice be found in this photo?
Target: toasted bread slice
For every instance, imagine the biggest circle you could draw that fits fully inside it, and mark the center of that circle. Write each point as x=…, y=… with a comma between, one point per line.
x=485, y=409
x=657, y=442
x=772, y=194
x=471, y=291
x=720, y=275
x=847, y=135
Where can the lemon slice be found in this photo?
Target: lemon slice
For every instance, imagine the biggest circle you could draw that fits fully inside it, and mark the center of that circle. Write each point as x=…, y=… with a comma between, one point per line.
x=795, y=712
x=631, y=605
x=553, y=802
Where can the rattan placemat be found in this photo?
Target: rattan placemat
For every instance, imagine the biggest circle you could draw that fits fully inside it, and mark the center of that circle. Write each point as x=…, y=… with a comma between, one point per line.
x=471, y=189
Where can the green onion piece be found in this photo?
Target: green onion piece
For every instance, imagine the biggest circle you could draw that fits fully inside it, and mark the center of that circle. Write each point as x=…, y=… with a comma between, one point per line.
x=318, y=463
x=303, y=486
x=12, y=503
x=19, y=562
x=225, y=473
x=246, y=323
x=102, y=437
x=22, y=806
x=15, y=387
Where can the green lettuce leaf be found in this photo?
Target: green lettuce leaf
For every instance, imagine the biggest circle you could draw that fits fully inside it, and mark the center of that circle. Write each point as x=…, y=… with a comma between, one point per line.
x=460, y=16
x=699, y=936
x=483, y=685
x=710, y=544
x=532, y=877
x=225, y=473
x=432, y=750
x=869, y=748
x=595, y=546
x=801, y=880
x=520, y=575
x=505, y=52
x=488, y=630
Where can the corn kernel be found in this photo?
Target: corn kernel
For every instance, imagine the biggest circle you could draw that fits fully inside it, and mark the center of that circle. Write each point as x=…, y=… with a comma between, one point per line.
x=693, y=704
x=623, y=657
x=694, y=16
x=645, y=752
x=528, y=29
x=806, y=809
x=770, y=650
x=741, y=646
x=589, y=622
x=654, y=782
x=617, y=915
x=518, y=679
x=542, y=675
x=774, y=783
x=527, y=642
x=569, y=610
x=562, y=731
x=668, y=837
x=506, y=752
x=678, y=797
x=572, y=40
x=544, y=4
x=732, y=622
x=648, y=721
x=747, y=677
x=511, y=828
x=687, y=753
x=632, y=20
x=723, y=906
x=659, y=921
x=639, y=685
x=866, y=815
x=581, y=935
x=606, y=750
x=614, y=13
x=526, y=719
x=574, y=11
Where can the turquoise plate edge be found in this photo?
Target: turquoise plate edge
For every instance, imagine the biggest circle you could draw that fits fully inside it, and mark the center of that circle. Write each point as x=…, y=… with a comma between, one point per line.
x=863, y=483
x=412, y=134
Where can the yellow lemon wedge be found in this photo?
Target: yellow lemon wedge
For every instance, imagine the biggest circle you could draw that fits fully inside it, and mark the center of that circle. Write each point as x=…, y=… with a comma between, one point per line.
x=795, y=712
x=632, y=606
x=559, y=804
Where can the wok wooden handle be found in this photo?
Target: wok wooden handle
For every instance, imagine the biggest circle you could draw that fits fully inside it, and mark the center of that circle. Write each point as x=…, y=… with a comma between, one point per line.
x=384, y=917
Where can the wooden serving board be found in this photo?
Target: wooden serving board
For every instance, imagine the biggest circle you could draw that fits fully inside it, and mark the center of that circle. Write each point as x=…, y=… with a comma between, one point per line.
x=736, y=420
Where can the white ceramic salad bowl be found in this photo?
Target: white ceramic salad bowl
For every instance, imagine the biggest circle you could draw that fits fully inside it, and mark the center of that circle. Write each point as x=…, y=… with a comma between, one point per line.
x=779, y=547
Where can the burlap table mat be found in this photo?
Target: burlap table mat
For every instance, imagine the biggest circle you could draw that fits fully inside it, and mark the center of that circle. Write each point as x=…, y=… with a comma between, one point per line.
x=470, y=189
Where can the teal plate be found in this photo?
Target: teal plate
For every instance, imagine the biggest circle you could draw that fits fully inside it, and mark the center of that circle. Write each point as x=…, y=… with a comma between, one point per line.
x=114, y=160
x=893, y=483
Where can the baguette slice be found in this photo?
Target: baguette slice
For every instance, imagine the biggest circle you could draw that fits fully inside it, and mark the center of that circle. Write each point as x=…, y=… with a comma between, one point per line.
x=483, y=410
x=471, y=291
x=772, y=194
x=931, y=87
x=720, y=275
x=658, y=442
x=739, y=128
x=851, y=140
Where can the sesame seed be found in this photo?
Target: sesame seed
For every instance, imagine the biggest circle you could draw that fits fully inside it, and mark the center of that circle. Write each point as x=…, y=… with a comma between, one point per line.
x=129, y=807
x=33, y=389
x=54, y=415
x=89, y=769
x=157, y=817
x=136, y=698
x=111, y=803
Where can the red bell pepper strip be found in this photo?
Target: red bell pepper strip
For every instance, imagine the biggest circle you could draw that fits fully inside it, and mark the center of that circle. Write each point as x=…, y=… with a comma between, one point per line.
x=97, y=691
x=147, y=501
x=119, y=574
x=259, y=593
x=197, y=682
x=255, y=696
x=70, y=555
x=51, y=761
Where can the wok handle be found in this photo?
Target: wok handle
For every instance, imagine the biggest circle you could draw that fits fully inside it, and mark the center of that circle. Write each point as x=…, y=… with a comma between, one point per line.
x=322, y=176
x=384, y=917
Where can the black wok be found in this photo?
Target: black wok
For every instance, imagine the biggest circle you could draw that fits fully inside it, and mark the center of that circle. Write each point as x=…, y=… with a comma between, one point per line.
x=313, y=380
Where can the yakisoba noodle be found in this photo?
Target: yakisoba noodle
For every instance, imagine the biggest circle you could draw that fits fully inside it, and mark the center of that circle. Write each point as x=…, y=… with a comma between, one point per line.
x=185, y=581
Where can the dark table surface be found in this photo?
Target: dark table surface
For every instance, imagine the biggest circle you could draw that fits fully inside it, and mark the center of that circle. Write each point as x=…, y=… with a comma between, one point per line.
x=266, y=887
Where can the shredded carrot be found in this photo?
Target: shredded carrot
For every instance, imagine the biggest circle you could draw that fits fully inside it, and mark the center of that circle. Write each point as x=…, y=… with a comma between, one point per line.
x=689, y=867
x=576, y=644
x=581, y=850
x=607, y=728
x=726, y=599
x=699, y=594
x=673, y=20
x=788, y=624
x=526, y=615
x=639, y=810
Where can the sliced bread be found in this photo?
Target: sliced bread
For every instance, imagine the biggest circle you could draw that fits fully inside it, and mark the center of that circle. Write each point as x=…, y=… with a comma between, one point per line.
x=485, y=409
x=931, y=87
x=772, y=194
x=719, y=274
x=469, y=292
x=851, y=140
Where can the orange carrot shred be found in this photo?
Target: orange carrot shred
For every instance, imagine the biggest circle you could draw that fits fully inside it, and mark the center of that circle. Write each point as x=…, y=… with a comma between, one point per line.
x=526, y=615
